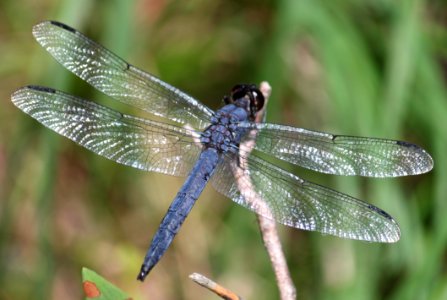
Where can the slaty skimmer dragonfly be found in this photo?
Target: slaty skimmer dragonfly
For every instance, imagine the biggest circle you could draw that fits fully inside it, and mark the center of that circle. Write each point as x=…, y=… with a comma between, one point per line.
x=205, y=145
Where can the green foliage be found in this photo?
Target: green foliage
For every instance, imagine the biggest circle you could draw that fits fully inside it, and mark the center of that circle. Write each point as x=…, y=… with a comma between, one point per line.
x=372, y=68
x=96, y=287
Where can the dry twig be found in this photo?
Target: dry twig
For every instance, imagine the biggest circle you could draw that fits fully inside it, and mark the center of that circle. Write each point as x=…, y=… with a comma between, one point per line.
x=214, y=287
x=268, y=227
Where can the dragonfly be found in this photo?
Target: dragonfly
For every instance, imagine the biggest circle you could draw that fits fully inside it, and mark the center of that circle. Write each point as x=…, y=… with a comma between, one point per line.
x=211, y=146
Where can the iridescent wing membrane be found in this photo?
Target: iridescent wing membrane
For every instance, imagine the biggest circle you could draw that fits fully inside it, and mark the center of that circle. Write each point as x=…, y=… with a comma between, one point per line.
x=245, y=177
x=295, y=202
x=136, y=142
x=118, y=79
x=340, y=154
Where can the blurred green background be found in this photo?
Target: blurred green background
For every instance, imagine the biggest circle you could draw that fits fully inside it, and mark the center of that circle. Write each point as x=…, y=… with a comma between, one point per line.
x=372, y=68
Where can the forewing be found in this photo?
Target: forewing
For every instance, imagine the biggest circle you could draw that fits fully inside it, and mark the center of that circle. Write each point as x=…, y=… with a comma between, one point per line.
x=131, y=141
x=278, y=195
x=340, y=154
x=116, y=78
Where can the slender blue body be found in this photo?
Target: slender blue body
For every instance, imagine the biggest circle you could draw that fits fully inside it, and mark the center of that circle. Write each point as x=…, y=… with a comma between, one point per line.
x=180, y=208
x=221, y=136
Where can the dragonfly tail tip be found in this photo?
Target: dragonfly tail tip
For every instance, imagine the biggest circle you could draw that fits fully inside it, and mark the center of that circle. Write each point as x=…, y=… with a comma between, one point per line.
x=143, y=273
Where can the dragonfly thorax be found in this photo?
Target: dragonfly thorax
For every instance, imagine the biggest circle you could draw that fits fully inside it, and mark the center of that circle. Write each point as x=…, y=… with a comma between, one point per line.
x=222, y=134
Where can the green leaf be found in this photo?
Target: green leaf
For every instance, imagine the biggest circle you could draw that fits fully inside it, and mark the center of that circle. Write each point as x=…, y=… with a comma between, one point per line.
x=96, y=287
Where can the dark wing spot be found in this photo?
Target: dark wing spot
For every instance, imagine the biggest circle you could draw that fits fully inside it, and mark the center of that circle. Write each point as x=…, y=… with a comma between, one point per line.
x=406, y=144
x=62, y=25
x=381, y=212
x=41, y=88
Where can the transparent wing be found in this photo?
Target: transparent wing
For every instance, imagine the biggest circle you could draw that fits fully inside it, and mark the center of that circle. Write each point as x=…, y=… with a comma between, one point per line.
x=116, y=78
x=340, y=154
x=131, y=141
x=278, y=195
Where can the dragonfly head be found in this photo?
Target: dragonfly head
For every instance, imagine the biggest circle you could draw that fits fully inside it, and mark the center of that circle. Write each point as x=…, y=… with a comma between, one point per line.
x=249, y=97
